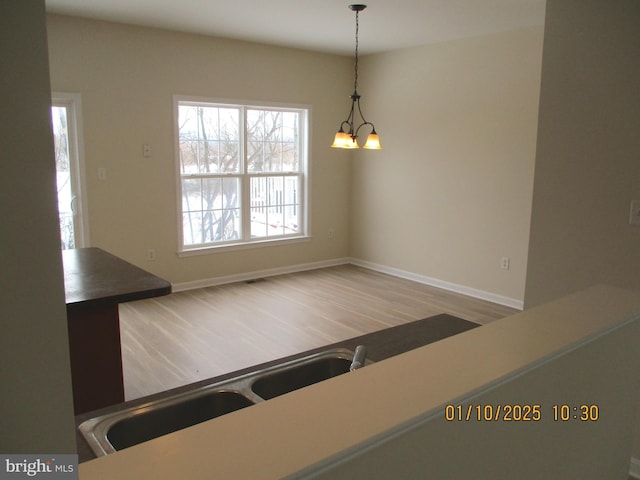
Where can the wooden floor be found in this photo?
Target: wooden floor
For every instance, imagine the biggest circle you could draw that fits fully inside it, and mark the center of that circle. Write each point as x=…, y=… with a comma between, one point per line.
x=189, y=336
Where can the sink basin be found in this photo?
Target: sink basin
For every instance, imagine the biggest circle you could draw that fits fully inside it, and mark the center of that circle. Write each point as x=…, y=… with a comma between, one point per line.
x=112, y=432
x=115, y=431
x=299, y=376
x=145, y=424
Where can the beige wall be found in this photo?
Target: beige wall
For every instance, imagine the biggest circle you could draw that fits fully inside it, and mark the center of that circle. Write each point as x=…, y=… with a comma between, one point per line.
x=588, y=161
x=448, y=208
x=36, y=410
x=127, y=77
x=450, y=194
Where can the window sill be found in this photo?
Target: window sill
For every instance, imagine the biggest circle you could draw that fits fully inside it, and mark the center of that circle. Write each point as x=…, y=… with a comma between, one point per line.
x=242, y=246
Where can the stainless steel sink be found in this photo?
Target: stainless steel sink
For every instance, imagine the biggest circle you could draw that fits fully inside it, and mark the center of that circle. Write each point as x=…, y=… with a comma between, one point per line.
x=149, y=423
x=122, y=429
x=298, y=376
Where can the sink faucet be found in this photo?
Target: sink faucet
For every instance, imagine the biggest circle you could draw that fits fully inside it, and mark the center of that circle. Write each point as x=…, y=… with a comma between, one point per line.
x=358, y=358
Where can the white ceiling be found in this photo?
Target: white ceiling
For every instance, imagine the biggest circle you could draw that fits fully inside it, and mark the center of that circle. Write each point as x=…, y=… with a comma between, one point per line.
x=322, y=25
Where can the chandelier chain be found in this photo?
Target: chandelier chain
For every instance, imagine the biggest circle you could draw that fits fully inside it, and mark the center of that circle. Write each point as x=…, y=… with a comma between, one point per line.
x=355, y=82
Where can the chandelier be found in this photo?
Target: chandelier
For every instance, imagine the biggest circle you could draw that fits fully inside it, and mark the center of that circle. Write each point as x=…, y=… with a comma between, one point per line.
x=347, y=135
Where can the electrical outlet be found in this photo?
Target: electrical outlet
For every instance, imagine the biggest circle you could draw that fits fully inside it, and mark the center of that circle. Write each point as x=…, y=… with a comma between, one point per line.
x=330, y=234
x=505, y=263
x=146, y=150
x=151, y=254
x=102, y=174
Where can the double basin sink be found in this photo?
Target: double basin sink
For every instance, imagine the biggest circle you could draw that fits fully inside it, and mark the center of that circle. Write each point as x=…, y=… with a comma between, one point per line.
x=115, y=431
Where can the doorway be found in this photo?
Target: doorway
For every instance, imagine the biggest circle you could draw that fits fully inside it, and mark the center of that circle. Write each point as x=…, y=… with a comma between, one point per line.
x=67, y=136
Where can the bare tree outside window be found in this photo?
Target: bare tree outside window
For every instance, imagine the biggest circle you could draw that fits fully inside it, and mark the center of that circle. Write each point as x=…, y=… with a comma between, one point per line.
x=209, y=146
x=224, y=150
x=63, y=176
x=66, y=123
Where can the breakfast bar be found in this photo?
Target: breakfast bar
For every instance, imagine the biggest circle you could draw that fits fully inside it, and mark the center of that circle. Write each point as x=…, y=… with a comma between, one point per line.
x=95, y=283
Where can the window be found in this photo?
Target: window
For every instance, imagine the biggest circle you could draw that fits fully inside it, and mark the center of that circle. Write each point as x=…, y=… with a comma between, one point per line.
x=242, y=173
x=67, y=135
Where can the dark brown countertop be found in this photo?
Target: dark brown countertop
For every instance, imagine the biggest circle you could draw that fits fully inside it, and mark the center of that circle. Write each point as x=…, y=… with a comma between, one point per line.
x=380, y=345
x=93, y=276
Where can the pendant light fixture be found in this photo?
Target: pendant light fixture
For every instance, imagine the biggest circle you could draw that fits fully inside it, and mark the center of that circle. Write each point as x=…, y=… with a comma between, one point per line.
x=348, y=138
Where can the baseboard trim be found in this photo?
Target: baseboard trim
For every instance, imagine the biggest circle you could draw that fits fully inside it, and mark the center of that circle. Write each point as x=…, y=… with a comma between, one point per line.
x=434, y=282
x=634, y=468
x=243, y=277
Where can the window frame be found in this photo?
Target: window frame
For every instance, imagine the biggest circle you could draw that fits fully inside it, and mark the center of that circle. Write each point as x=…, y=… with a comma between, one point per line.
x=245, y=176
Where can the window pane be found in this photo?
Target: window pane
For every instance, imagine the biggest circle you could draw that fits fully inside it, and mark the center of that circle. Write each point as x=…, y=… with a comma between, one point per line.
x=291, y=205
x=273, y=156
x=290, y=157
x=258, y=199
x=209, y=139
x=231, y=193
x=63, y=176
x=229, y=135
x=192, y=228
x=211, y=193
x=291, y=191
x=290, y=141
x=275, y=206
x=220, y=193
x=273, y=141
x=255, y=125
x=275, y=221
x=188, y=156
x=255, y=137
x=221, y=225
x=229, y=157
x=191, y=195
x=211, y=210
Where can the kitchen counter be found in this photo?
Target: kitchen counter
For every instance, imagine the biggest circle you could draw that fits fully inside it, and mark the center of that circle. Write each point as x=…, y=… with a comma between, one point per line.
x=95, y=277
x=406, y=416
x=380, y=345
x=95, y=283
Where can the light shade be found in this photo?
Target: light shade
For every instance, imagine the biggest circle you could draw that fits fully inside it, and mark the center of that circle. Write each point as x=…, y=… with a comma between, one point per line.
x=344, y=140
x=373, y=141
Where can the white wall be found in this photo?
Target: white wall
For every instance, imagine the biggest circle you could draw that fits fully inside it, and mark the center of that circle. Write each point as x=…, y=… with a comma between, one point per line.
x=127, y=77
x=450, y=193
x=36, y=409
